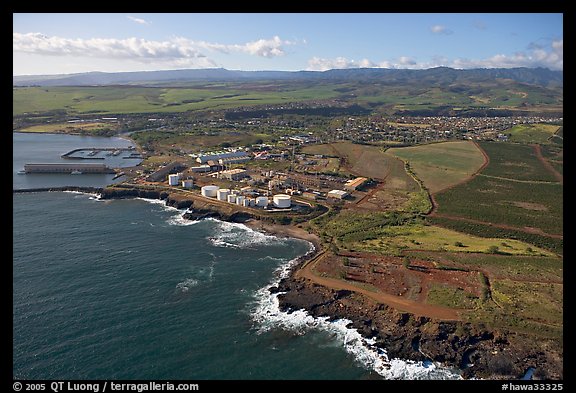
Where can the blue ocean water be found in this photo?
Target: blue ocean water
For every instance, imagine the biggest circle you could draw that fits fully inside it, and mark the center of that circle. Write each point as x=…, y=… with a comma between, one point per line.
x=30, y=148
x=127, y=289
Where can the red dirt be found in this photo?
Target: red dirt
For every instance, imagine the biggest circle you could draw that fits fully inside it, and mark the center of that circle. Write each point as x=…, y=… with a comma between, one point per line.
x=393, y=277
x=547, y=165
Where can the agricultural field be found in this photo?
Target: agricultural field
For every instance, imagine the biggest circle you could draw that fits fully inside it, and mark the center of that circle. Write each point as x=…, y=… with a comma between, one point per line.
x=441, y=165
x=497, y=201
x=515, y=161
x=532, y=133
x=555, y=156
x=433, y=238
x=131, y=99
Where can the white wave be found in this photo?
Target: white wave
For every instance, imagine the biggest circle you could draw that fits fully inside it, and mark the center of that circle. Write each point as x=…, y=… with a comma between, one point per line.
x=159, y=202
x=185, y=285
x=234, y=235
x=179, y=220
x=267, y=315
x=93, y=196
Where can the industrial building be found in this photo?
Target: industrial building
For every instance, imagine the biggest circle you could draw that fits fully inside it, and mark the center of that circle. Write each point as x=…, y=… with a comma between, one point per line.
x=337, y=194
x=354, y=184
x=160, y=174
x=201, y=169
x=203, y=159
x=222, y=194
x=233, y=160
x=209, y=191
x=234, y=174
x=173, y=180
x=188, y=183
x=282, y=201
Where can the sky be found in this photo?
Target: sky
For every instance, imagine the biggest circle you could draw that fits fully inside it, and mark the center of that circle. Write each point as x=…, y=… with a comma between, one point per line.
x=113, y=42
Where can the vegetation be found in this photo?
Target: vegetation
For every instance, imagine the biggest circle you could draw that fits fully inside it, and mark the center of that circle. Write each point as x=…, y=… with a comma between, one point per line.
x=441, y=165
x=484, y=230
x=513, y=161
x=532, y=133
x=433, y=238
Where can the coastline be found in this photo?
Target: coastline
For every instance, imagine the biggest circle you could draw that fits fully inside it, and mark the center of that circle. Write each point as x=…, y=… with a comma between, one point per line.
x=473, y=350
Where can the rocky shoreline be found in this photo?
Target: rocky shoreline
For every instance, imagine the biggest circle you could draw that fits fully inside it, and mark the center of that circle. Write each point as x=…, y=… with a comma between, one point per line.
x=476, y=351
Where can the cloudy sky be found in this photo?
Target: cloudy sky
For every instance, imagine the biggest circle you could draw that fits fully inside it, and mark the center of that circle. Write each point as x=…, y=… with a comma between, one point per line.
x=69, y=43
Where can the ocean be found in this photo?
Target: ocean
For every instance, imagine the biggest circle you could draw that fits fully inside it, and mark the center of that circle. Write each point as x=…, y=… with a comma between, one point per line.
x=127, y=289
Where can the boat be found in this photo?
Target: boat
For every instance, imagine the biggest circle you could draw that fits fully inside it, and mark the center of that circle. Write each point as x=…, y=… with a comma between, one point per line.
x=22, y=172
x=75, y=173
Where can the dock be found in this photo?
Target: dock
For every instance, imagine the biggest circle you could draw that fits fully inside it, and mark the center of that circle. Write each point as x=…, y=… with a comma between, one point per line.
x=68, y=168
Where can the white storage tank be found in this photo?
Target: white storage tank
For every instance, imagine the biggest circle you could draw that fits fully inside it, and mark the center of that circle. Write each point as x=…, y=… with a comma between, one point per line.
x=173, y=180
x=246, y=203
x=262, y=201
x=252, y=202
x=282, y=200
x=223, y=194
x=187, y=183
x=240, y=200
x=209, y=191
x=232, y=198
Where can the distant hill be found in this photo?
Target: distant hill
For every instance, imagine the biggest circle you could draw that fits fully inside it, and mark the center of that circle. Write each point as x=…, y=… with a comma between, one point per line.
x=440, y=76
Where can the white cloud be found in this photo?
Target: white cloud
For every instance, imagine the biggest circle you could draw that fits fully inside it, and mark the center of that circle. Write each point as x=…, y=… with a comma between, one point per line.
x=138, y=20
x=538, y=56
x=440, y=29
x=175, y=51
x=320, y=64
x=272, y=47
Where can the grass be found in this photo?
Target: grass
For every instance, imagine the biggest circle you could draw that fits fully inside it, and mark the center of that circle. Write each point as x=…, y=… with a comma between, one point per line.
x=433, y=238
x=506, y=202
x=441, y=165
x=64, y=127
x=131, y=99
x=532, y=133
x=513, y=267
x=483, y=230
x=515, y=194
x=514, y=161
x=449, y=296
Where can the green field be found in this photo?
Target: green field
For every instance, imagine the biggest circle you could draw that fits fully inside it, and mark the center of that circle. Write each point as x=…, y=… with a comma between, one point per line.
x=515, y=161
x=433, y=238
x=130, y=99
x=532, y=133
x=535, y=205
x=67, y=127
x=441, y=165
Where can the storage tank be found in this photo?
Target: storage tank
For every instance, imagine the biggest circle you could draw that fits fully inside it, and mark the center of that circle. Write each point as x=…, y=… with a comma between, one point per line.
x=187, y=183
x=252, y=202
x=173, y=180
x=223, y=194
x=282, y=200
x=232, y=198
x=209, y=191
x=246, y=203
x=262, y=201
x=240, y=200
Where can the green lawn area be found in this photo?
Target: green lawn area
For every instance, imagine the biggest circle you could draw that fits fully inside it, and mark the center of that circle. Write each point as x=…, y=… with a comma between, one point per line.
x=441, y=165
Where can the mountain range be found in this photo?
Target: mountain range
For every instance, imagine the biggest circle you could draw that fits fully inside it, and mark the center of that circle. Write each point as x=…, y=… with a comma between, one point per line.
x=435, y=76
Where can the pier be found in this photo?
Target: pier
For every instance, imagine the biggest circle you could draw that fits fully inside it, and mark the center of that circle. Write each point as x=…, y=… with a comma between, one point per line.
x=67, y=168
